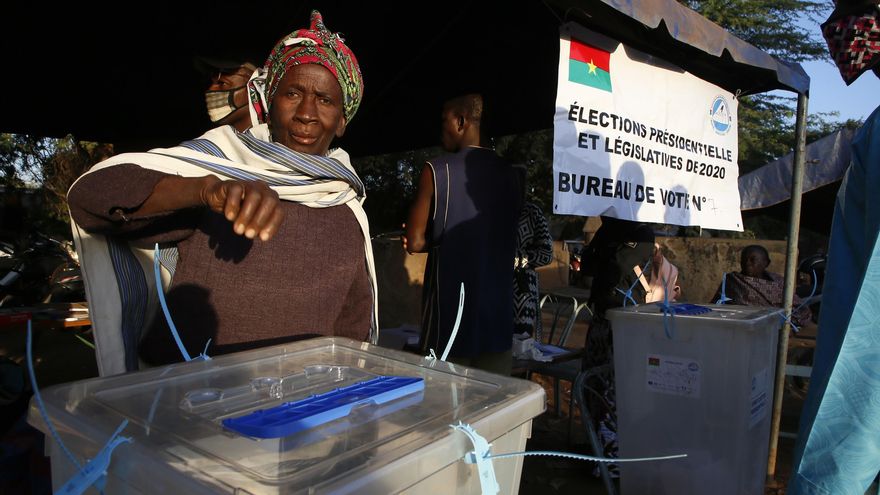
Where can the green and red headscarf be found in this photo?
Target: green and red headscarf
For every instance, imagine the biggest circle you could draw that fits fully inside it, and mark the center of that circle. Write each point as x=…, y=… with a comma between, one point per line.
x=315, y=45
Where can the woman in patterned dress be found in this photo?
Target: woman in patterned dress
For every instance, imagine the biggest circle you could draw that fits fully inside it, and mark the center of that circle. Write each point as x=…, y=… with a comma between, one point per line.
x=534, y=248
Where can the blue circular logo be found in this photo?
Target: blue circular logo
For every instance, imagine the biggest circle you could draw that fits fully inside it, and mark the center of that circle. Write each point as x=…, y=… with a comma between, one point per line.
x=693, y=366
x=720, y=115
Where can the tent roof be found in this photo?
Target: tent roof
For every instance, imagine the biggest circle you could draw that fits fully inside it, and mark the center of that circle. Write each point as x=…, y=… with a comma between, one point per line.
x=127, y=76
x=673, y=32
x=826, y=161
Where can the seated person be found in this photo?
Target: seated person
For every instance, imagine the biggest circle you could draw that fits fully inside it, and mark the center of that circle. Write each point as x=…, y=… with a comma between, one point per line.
x=755, y=286
x=251, y=215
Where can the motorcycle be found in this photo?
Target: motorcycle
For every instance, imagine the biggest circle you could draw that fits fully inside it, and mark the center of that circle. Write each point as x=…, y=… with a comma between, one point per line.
x=574, y=267
x=577, y=276
x=811, y=277
x=45, y=271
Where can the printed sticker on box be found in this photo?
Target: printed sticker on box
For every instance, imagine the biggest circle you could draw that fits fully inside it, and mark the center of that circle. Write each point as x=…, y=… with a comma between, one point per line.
x=759, y=397
x=673, y=375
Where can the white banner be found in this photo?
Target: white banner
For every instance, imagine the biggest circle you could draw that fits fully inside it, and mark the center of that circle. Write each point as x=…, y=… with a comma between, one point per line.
x=640, y=139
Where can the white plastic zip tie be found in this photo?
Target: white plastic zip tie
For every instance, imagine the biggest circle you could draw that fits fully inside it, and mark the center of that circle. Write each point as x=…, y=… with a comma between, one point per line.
x=482, y=457
x=457, y=323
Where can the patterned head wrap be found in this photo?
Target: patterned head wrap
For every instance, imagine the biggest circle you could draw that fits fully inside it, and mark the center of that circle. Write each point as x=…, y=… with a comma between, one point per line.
x=316, y=45
x=853, y=36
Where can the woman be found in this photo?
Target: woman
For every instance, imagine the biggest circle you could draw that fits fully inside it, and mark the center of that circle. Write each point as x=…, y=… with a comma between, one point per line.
x=534, y=248
x=251, y=215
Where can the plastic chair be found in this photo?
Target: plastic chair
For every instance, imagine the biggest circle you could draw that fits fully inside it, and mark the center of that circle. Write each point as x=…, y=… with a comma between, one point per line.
x=590, y=398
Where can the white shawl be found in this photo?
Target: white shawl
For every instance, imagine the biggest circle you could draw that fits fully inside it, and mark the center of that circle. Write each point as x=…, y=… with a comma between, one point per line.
x=324, y=183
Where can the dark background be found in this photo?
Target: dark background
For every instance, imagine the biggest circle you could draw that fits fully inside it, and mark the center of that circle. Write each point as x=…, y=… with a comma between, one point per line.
x=125, y=73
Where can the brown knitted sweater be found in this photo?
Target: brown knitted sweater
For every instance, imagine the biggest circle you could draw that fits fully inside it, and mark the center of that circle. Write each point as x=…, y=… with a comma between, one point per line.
x=308, y=280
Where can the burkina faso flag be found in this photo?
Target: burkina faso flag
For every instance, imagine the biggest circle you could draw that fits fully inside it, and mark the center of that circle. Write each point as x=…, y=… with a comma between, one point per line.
x=589, y=66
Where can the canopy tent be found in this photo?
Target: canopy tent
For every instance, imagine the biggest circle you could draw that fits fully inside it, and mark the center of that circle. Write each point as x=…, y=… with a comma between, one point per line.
x=126, y=75
x=825, y=159
x=675, y=33
x=766, y=192
x=668, y=30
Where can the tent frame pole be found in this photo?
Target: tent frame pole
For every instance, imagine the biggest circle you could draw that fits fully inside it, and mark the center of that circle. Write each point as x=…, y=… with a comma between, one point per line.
x=797, y=183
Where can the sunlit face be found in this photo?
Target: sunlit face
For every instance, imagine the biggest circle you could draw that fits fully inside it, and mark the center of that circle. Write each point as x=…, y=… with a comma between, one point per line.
x=306, y=112
x=753, y=263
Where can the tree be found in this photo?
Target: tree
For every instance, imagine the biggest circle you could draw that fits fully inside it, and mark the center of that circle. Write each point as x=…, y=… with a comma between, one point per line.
x=391, y=182
x=70, y=160
x=50, y=165
x=766, y=121
x=771, y=25
x=534, y=151
x=22, y=158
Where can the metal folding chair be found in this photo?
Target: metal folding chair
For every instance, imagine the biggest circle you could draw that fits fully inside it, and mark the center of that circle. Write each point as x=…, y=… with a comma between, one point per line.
x=588, y=398
x=563, y=370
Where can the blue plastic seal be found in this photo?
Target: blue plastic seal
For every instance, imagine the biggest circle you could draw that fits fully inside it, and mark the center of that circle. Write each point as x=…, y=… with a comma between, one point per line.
x=685, y=309
x=291, y=417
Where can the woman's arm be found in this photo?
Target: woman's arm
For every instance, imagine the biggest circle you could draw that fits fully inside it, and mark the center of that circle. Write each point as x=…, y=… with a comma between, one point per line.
x=130, y=200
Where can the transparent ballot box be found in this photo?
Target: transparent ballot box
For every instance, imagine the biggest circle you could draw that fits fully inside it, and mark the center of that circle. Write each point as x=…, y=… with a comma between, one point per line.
x=328, y=415
x=698, y=382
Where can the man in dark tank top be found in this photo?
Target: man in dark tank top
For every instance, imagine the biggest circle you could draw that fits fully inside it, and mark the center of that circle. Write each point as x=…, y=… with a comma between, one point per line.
x=465, y=216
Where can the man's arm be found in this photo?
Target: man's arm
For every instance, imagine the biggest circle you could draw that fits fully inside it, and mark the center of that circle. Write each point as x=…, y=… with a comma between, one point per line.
x=417, y=222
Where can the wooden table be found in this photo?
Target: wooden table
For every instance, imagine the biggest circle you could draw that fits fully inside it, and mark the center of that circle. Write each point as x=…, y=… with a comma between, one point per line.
x=51, y=315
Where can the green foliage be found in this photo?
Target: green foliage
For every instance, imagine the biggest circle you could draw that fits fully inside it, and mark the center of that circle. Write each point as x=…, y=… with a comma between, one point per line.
x=22, y=158
x=48, y=164
x=391, y=181
x=771, y=25
x=766, y=130
x=70, y=160
x=534, y=151
x=767, y=121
